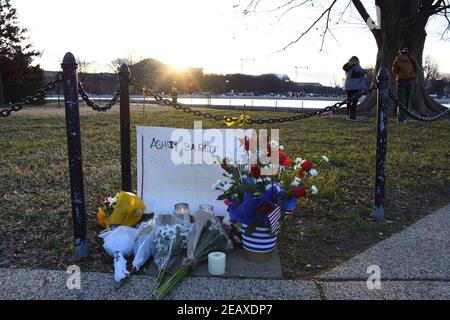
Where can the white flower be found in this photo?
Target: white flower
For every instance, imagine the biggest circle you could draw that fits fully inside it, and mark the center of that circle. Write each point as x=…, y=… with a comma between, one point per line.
x=297, y=167
x=313, y=172
x=296, y=183
x=298, y=161
x=274, y=144
x=325, y=158
x=314, y=190
x=216, y=185
x=111, y=201
x=227, y=187
x=228, y=175
x=281, y=147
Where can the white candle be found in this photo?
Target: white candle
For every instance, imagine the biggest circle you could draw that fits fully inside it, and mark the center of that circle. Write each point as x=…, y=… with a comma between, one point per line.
x=216, y=263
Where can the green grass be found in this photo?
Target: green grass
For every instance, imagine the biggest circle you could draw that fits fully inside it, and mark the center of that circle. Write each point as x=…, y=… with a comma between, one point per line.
x=35, y=215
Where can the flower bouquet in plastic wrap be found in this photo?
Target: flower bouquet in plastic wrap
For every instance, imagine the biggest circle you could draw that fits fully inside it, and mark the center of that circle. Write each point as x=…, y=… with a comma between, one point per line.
x=206, y=236
x=168, y=244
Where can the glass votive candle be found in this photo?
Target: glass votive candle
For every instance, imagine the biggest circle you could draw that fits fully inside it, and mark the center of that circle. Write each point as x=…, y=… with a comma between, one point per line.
x=182, y=213
x=164, y=219
x=207, y=207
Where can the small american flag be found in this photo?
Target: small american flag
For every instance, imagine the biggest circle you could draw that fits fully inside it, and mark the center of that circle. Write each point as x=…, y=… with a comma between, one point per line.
x=274, y=218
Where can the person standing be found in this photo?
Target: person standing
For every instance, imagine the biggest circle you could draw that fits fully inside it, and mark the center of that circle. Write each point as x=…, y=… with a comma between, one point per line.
x=174, y=94
x=354, y=82
x=405, y=68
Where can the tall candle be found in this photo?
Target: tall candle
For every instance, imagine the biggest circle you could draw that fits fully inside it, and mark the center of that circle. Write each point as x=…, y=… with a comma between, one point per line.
x=216, y=263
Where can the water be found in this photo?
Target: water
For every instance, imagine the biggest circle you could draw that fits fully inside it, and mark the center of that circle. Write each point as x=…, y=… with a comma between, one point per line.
x=247, y=102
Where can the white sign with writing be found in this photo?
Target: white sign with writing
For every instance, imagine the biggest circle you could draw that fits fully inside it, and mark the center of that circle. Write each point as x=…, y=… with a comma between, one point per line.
x=165, y=180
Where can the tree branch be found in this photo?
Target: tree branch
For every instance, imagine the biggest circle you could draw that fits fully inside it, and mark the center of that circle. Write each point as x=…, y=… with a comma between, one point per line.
x=366, y=17
x=325, y=12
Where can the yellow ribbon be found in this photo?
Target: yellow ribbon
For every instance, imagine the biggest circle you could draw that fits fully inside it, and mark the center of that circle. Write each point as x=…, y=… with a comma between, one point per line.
x=240, y=121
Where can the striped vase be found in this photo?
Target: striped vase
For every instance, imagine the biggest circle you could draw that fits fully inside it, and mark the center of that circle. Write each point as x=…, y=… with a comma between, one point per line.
x=259, y=245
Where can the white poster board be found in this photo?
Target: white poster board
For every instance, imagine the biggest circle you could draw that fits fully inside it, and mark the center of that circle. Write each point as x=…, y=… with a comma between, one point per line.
x=161, y=183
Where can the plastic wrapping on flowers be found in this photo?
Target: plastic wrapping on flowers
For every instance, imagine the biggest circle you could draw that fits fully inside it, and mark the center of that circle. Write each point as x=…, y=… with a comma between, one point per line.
x=206, y=236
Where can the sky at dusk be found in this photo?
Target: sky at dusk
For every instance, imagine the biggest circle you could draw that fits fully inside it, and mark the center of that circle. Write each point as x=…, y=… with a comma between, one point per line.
x=211, y=34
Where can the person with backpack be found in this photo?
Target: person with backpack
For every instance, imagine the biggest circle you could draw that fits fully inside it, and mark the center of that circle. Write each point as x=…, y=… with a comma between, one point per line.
x=354, y=82
x=405, y=68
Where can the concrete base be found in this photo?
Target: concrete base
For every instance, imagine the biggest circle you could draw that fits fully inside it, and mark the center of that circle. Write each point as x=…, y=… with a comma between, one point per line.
x=236, y=267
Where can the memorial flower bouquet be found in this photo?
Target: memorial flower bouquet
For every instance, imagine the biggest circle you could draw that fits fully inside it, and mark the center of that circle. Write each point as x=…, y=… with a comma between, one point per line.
x=206, y=236
x=168, y=244
x=255, y=191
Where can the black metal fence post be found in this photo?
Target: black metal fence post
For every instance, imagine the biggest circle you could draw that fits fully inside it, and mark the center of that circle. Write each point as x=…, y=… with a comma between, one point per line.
x=124, y=75
x=70, y=83
x=382, y=125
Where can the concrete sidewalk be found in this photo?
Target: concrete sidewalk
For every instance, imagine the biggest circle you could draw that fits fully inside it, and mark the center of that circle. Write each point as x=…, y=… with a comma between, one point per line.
x=414, y=264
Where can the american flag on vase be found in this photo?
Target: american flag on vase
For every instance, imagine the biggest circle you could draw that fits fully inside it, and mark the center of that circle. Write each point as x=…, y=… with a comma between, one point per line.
x=274, y=218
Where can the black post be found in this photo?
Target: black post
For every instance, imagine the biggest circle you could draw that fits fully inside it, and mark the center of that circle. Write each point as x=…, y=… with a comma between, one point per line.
x=70, y=83
x=382, y=125
x=125, y=146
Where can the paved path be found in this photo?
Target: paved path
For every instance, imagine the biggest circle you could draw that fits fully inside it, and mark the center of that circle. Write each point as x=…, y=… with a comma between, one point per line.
x=414, y=264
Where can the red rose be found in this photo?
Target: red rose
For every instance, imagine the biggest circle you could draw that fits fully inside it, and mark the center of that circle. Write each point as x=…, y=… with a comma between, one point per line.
x=228, y=202
x=299, y=192
x=301, y=174
x=255, y=171
x=265, y=208
x=284, y=159
x=307, y=165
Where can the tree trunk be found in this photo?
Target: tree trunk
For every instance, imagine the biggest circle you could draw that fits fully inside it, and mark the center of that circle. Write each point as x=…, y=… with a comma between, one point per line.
x=2, y=94
x=399, y=29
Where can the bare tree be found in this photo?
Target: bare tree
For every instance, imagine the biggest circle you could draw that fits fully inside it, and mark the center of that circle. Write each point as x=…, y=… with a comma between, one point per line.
x=84, y=66
x=430, y=70
x=114, y=65
x=400, y=23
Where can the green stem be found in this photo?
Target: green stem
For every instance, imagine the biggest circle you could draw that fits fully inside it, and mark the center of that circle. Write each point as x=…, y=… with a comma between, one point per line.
x=158, y=280
x=165, y=289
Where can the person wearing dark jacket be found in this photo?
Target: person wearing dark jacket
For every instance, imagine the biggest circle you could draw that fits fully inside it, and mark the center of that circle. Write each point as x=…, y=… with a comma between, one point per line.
x=405, y=68
x=354, y=82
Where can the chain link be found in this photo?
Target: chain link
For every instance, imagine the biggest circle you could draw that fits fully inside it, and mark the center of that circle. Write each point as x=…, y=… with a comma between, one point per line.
x=226, y=119
x=177, y=105
x=416, y=115
x=316, y=113
x=92, y=104
x=38, y=95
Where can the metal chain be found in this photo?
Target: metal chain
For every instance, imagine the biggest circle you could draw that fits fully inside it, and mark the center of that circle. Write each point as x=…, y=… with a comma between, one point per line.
x=39, y=94
x=416, y=115
x=316, y=113
x=177, y=105
x=208, y=115
x=95, y=106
